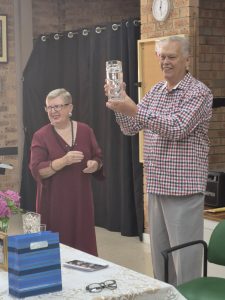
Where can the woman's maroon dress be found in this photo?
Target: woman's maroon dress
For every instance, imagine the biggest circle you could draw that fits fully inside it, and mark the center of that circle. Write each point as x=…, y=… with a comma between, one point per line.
x=64, y=200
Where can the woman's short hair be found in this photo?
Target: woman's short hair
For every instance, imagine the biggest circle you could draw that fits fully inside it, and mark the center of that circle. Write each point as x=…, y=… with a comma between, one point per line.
x=62, y=93
x=184, y=42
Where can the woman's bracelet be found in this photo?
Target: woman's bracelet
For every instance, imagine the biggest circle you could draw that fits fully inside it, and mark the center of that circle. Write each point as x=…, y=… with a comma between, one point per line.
x=52, y=167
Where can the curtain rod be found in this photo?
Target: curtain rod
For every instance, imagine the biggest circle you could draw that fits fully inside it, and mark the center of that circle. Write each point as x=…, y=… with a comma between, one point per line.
x=86, y=31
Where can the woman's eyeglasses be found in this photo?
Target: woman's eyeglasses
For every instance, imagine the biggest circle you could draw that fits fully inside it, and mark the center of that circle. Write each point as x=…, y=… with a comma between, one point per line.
x=55, y=107
x=98, y=287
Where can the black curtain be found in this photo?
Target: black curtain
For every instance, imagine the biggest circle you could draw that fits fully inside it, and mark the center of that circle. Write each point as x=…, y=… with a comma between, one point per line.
x=76, y=62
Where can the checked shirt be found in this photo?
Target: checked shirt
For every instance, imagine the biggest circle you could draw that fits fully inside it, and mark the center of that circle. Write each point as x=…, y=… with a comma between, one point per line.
x=176, y=143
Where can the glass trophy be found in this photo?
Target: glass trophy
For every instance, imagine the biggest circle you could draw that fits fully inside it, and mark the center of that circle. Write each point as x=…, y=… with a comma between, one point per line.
x=114, y=76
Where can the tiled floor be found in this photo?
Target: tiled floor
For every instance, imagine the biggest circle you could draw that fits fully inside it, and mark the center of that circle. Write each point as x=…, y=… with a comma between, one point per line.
x=125, y=251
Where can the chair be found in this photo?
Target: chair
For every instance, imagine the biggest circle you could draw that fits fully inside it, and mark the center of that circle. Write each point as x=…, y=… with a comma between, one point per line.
x=204, y=288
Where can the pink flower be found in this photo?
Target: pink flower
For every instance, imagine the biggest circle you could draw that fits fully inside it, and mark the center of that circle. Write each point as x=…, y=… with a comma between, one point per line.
x=9, y=203
x=14, y=196
x=2, y=194
x=4, y=209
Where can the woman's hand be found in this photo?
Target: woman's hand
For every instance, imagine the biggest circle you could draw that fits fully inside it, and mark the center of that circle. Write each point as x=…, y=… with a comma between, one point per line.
x=92, y=166
x=73, y=157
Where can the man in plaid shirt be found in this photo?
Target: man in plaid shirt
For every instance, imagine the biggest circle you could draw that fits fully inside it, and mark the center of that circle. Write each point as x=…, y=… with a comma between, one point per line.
x=175, y=116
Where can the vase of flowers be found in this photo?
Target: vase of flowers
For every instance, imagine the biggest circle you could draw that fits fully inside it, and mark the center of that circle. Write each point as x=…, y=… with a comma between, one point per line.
x=9, y=204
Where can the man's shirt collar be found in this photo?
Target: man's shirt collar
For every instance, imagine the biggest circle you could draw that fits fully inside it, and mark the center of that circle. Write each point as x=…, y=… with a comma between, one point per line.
x=180, y=84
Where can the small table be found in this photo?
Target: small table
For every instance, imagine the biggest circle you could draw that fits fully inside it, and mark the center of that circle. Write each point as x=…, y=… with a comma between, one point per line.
x=218, y=216
x=130, y=284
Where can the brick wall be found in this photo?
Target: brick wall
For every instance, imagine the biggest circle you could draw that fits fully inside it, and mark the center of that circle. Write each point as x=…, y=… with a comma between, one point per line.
x=211, y=70
x=212, y=45
x=8, y=102
x=63, y=15
x=179, y=21
x=217, y=139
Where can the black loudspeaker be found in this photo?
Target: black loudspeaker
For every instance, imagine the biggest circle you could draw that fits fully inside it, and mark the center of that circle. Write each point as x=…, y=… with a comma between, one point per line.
x=215, y=189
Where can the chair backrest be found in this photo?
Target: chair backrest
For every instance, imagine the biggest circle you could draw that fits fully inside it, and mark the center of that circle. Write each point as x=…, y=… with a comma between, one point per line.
x=216, y=247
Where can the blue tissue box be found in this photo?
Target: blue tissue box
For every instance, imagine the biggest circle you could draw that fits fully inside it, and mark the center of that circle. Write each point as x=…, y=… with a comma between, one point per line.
x=34, y=265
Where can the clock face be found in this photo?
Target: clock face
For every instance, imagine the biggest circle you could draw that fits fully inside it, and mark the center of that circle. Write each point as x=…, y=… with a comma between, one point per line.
x=161, y=9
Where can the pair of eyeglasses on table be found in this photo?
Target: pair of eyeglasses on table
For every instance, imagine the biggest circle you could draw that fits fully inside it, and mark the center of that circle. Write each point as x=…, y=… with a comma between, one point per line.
x=98, y=287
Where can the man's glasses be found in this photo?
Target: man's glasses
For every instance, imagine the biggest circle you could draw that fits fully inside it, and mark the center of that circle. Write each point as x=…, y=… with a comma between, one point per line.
x=55, y=107
x=98, y=287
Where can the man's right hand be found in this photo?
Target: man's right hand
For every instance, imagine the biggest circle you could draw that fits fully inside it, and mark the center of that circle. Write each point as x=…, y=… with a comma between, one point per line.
x=124, y=105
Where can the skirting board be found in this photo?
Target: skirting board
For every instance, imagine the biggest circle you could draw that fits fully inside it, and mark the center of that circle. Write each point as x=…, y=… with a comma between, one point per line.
x=146, y=238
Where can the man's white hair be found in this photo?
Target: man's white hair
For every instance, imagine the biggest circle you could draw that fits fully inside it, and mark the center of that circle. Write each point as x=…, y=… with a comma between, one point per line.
x=184, y=42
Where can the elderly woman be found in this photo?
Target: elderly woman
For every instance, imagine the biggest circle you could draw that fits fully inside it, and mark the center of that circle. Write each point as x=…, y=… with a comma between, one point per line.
x=64, y=154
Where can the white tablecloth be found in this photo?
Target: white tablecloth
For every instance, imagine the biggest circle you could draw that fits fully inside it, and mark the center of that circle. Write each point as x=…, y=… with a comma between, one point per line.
x=130, y=285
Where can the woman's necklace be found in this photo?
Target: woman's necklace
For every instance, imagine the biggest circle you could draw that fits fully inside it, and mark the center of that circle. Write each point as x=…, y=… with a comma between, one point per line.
x=59, y=139
x=72, y=135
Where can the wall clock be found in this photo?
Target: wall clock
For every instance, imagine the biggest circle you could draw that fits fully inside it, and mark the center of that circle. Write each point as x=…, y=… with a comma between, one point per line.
x=161, y=9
